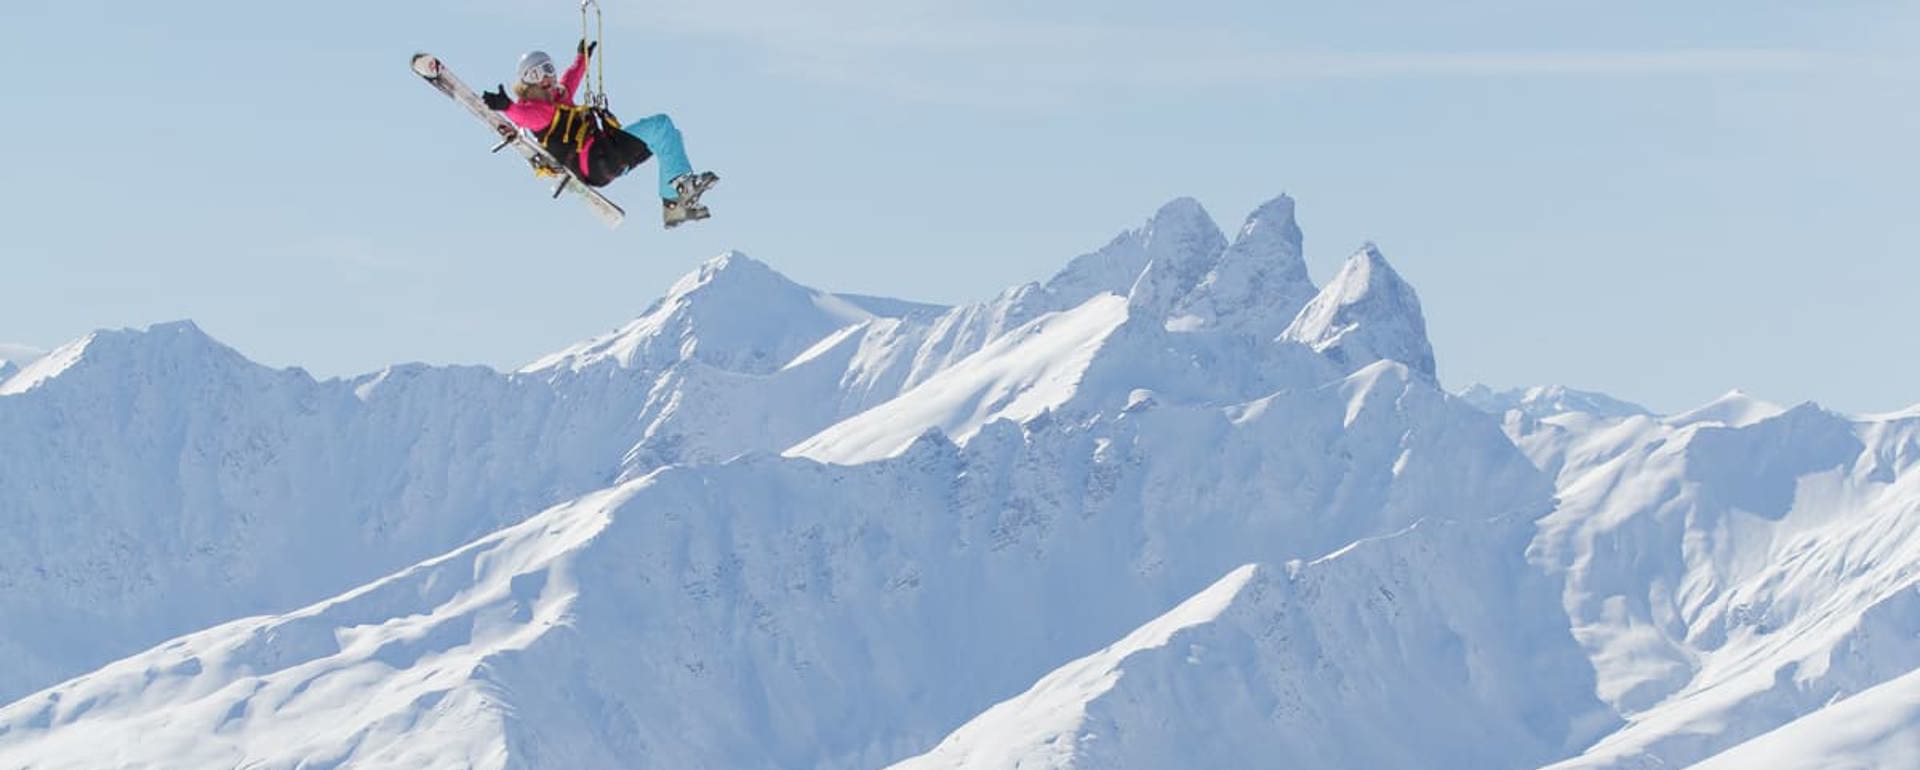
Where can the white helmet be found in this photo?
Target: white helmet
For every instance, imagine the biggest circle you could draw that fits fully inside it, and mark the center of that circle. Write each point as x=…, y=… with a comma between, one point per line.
x=536, y=66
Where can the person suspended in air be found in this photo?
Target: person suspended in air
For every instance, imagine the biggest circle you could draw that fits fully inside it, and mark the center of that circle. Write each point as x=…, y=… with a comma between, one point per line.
x=592, y=141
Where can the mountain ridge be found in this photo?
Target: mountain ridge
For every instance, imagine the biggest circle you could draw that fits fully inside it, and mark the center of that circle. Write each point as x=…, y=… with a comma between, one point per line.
x=763, y=525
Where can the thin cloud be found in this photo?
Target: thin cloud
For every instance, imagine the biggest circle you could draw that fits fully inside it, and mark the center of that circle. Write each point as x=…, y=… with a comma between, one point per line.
x=938, y=51
x=20, y=355
x=891, y=29
x=1345, y=66
x=1033, y=79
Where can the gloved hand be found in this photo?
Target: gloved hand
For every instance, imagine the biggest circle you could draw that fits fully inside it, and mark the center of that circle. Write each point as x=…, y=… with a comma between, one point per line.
x=586, y=48
x=497, y=100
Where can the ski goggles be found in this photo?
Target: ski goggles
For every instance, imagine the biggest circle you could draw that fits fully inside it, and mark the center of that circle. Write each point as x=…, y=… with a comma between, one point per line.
x=538, y=72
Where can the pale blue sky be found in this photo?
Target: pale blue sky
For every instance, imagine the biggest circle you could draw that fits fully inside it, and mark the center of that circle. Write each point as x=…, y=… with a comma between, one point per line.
x=1660, y=200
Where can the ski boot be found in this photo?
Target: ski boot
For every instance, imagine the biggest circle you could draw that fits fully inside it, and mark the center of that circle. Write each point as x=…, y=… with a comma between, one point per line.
x=676, y=213
x=691, y=185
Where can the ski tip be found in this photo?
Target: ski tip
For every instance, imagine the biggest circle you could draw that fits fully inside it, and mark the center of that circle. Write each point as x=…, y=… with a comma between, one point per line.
x=425, y=65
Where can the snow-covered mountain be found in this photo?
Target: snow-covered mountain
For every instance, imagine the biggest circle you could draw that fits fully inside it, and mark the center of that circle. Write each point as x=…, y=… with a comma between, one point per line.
x=1548, y=401
x=1175, y=506
x=778, y=612
x=1732, y=568
x=1356, y=659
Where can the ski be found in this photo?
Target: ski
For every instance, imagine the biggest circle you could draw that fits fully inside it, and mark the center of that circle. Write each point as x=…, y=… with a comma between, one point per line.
x=430, y=69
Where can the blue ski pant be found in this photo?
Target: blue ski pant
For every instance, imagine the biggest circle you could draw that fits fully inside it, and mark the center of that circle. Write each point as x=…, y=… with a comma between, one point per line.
x=663, y=138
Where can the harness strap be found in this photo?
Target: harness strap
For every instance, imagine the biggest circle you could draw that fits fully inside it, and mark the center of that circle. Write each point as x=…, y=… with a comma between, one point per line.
x=575, y=123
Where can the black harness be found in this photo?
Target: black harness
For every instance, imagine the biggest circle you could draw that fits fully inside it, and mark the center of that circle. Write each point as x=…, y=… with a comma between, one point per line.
x=572, y=126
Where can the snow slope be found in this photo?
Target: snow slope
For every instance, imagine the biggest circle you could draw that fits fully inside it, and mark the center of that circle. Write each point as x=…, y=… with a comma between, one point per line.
x=315, y=687
x=1021, y=375
x=1878, y=728
x=29, y=371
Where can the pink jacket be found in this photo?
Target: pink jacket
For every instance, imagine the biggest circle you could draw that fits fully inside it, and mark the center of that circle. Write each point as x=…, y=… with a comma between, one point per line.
x=535, y=116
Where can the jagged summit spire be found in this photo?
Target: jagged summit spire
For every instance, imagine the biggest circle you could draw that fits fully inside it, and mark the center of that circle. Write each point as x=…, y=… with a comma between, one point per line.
x=1183, y=208
x=1365, y=314
x=1259, y=283
x=1272, y=226
x=1181, y=237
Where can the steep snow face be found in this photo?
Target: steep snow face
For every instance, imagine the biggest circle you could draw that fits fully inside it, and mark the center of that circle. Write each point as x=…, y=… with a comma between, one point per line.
x=1878, y=728
x=1550, y=400
x=1730, y=571
x=1019, y=376
x=1433, y=647
x=1366, y=313
x=1042, y=727
x=777, y=612
x=29, y=374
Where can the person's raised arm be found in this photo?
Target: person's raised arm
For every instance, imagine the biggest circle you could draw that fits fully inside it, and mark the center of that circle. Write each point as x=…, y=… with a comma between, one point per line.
x=570, y=80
